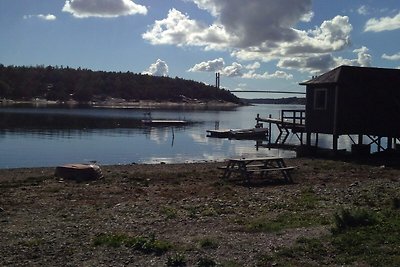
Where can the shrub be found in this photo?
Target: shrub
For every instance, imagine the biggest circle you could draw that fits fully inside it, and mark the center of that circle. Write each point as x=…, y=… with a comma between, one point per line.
x=176, y=260
x=146, y=245
x=208, y=243
x=206, y=262
x=396, y=203
x=346, y=219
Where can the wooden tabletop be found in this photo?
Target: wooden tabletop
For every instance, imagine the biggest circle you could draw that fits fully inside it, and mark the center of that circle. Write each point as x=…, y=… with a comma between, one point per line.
x=255, y=159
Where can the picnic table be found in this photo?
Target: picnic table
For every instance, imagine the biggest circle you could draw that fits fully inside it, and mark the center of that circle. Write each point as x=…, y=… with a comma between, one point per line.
x=246, y=167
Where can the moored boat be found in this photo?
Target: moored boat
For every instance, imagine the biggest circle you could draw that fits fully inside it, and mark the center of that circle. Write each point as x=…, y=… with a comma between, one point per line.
x=239, y=133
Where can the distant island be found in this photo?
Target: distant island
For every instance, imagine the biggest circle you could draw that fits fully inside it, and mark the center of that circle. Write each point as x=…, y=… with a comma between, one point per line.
x=62, y=84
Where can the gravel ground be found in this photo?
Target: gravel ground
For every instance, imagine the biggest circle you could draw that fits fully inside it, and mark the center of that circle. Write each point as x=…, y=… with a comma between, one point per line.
x=47, y=221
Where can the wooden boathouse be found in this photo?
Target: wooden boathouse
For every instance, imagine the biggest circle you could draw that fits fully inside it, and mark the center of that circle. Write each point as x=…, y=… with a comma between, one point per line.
x=361, y=102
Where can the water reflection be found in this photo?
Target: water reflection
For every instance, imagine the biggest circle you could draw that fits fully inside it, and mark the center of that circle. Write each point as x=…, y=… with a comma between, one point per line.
x=51, y=136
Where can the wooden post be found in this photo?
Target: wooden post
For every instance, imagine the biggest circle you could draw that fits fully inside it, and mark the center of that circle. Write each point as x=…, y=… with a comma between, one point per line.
x=335, y=119
x=269, y=130
x=360, y=139
x=301, y=138
x=389, y=142
x=379, y=144
x=335, y=142
x=308, y=139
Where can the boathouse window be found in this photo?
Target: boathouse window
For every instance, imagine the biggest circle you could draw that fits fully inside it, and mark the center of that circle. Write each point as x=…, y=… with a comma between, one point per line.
x=320, y=99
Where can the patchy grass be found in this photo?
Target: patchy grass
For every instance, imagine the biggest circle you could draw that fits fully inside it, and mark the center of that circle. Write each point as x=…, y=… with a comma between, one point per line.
x=346, y=219
x=176, y=260
x=29, y=181
x=373, y=238
x=363, y=237
x=208, y=243
x=286, y=220
x=146, y=245
x=206, y=262
x=169, y=212
x=206, y=220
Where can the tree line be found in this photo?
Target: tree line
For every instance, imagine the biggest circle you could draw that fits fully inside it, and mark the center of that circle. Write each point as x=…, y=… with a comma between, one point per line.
x=82, y=85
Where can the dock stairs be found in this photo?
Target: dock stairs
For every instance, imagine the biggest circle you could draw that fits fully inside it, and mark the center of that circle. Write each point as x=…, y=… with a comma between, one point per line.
x=291, y=121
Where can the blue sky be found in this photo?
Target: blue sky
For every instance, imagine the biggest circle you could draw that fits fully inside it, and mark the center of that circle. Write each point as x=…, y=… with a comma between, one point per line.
x=255, y=45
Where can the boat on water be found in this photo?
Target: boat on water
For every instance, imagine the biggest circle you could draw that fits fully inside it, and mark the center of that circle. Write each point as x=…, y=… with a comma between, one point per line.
x=251, y=133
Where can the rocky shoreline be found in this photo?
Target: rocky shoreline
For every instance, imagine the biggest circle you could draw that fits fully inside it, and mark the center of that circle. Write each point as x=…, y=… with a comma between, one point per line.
x=185, y=215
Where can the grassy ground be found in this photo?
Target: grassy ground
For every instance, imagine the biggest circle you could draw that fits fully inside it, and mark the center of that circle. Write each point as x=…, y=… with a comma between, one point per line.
x=336, y=213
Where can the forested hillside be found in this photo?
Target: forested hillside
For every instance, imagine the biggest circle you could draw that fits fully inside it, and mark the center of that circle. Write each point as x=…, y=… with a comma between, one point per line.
x=64, y=83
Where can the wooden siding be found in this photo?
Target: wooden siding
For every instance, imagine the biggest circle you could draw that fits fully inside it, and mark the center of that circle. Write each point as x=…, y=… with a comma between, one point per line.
x=368, y=102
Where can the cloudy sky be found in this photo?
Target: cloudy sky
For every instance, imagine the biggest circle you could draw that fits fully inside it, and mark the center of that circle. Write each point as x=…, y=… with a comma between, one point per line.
x=255, y=45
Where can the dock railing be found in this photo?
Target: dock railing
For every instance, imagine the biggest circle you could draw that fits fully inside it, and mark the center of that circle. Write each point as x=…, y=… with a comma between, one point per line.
x=295, y=117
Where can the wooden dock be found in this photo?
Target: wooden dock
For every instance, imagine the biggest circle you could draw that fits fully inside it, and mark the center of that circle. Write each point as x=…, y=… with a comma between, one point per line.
x=294, y=126
x=291, y=121
x=164, y=122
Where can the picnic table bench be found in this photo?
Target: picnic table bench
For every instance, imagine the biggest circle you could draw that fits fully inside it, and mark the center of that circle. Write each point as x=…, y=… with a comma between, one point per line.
x=246, y=167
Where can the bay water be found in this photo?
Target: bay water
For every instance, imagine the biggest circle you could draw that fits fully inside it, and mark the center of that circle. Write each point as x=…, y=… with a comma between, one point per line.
x=52, y=136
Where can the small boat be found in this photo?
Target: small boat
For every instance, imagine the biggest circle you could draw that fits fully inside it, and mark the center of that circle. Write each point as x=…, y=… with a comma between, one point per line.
x=219, y=133
x=249, y=133
x=79, y=172
x=239, y=133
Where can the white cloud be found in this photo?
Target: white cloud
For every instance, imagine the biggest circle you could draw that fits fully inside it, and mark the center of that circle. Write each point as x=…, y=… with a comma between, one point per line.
x=234, y=70
x=363, y=10
x=333, y=35
x=363, y=57
x=276, y=75
x=238, y=70
x=393, y=57
x=209, y=66
x=319, y=63
x=178, y=29
x=159, y=68
x=253, y=66
x=383, y=24
x=307, y=17
x=258, y=20
x=263, y=30
x=48, y=17
x=103, y=8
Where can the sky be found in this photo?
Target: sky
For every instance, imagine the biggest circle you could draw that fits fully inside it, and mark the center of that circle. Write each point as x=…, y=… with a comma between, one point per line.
x=254, y=45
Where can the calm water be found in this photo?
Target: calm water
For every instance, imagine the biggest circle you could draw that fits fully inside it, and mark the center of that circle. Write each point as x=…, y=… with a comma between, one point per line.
x=36, y=137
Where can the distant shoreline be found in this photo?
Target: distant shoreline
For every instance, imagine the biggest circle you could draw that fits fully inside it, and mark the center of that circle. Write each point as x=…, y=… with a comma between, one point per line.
x=150, y=104
x=119, y=103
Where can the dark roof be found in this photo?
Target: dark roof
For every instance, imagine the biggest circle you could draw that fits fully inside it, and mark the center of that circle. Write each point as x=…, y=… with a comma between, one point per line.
x=350, y=74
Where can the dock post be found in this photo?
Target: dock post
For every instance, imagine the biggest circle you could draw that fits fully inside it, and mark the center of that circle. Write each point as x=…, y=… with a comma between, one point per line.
x=308, y=139
x=269, y=130
x=379, y=144
x=335, y=142
x=360, y=139
x=389, y=142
